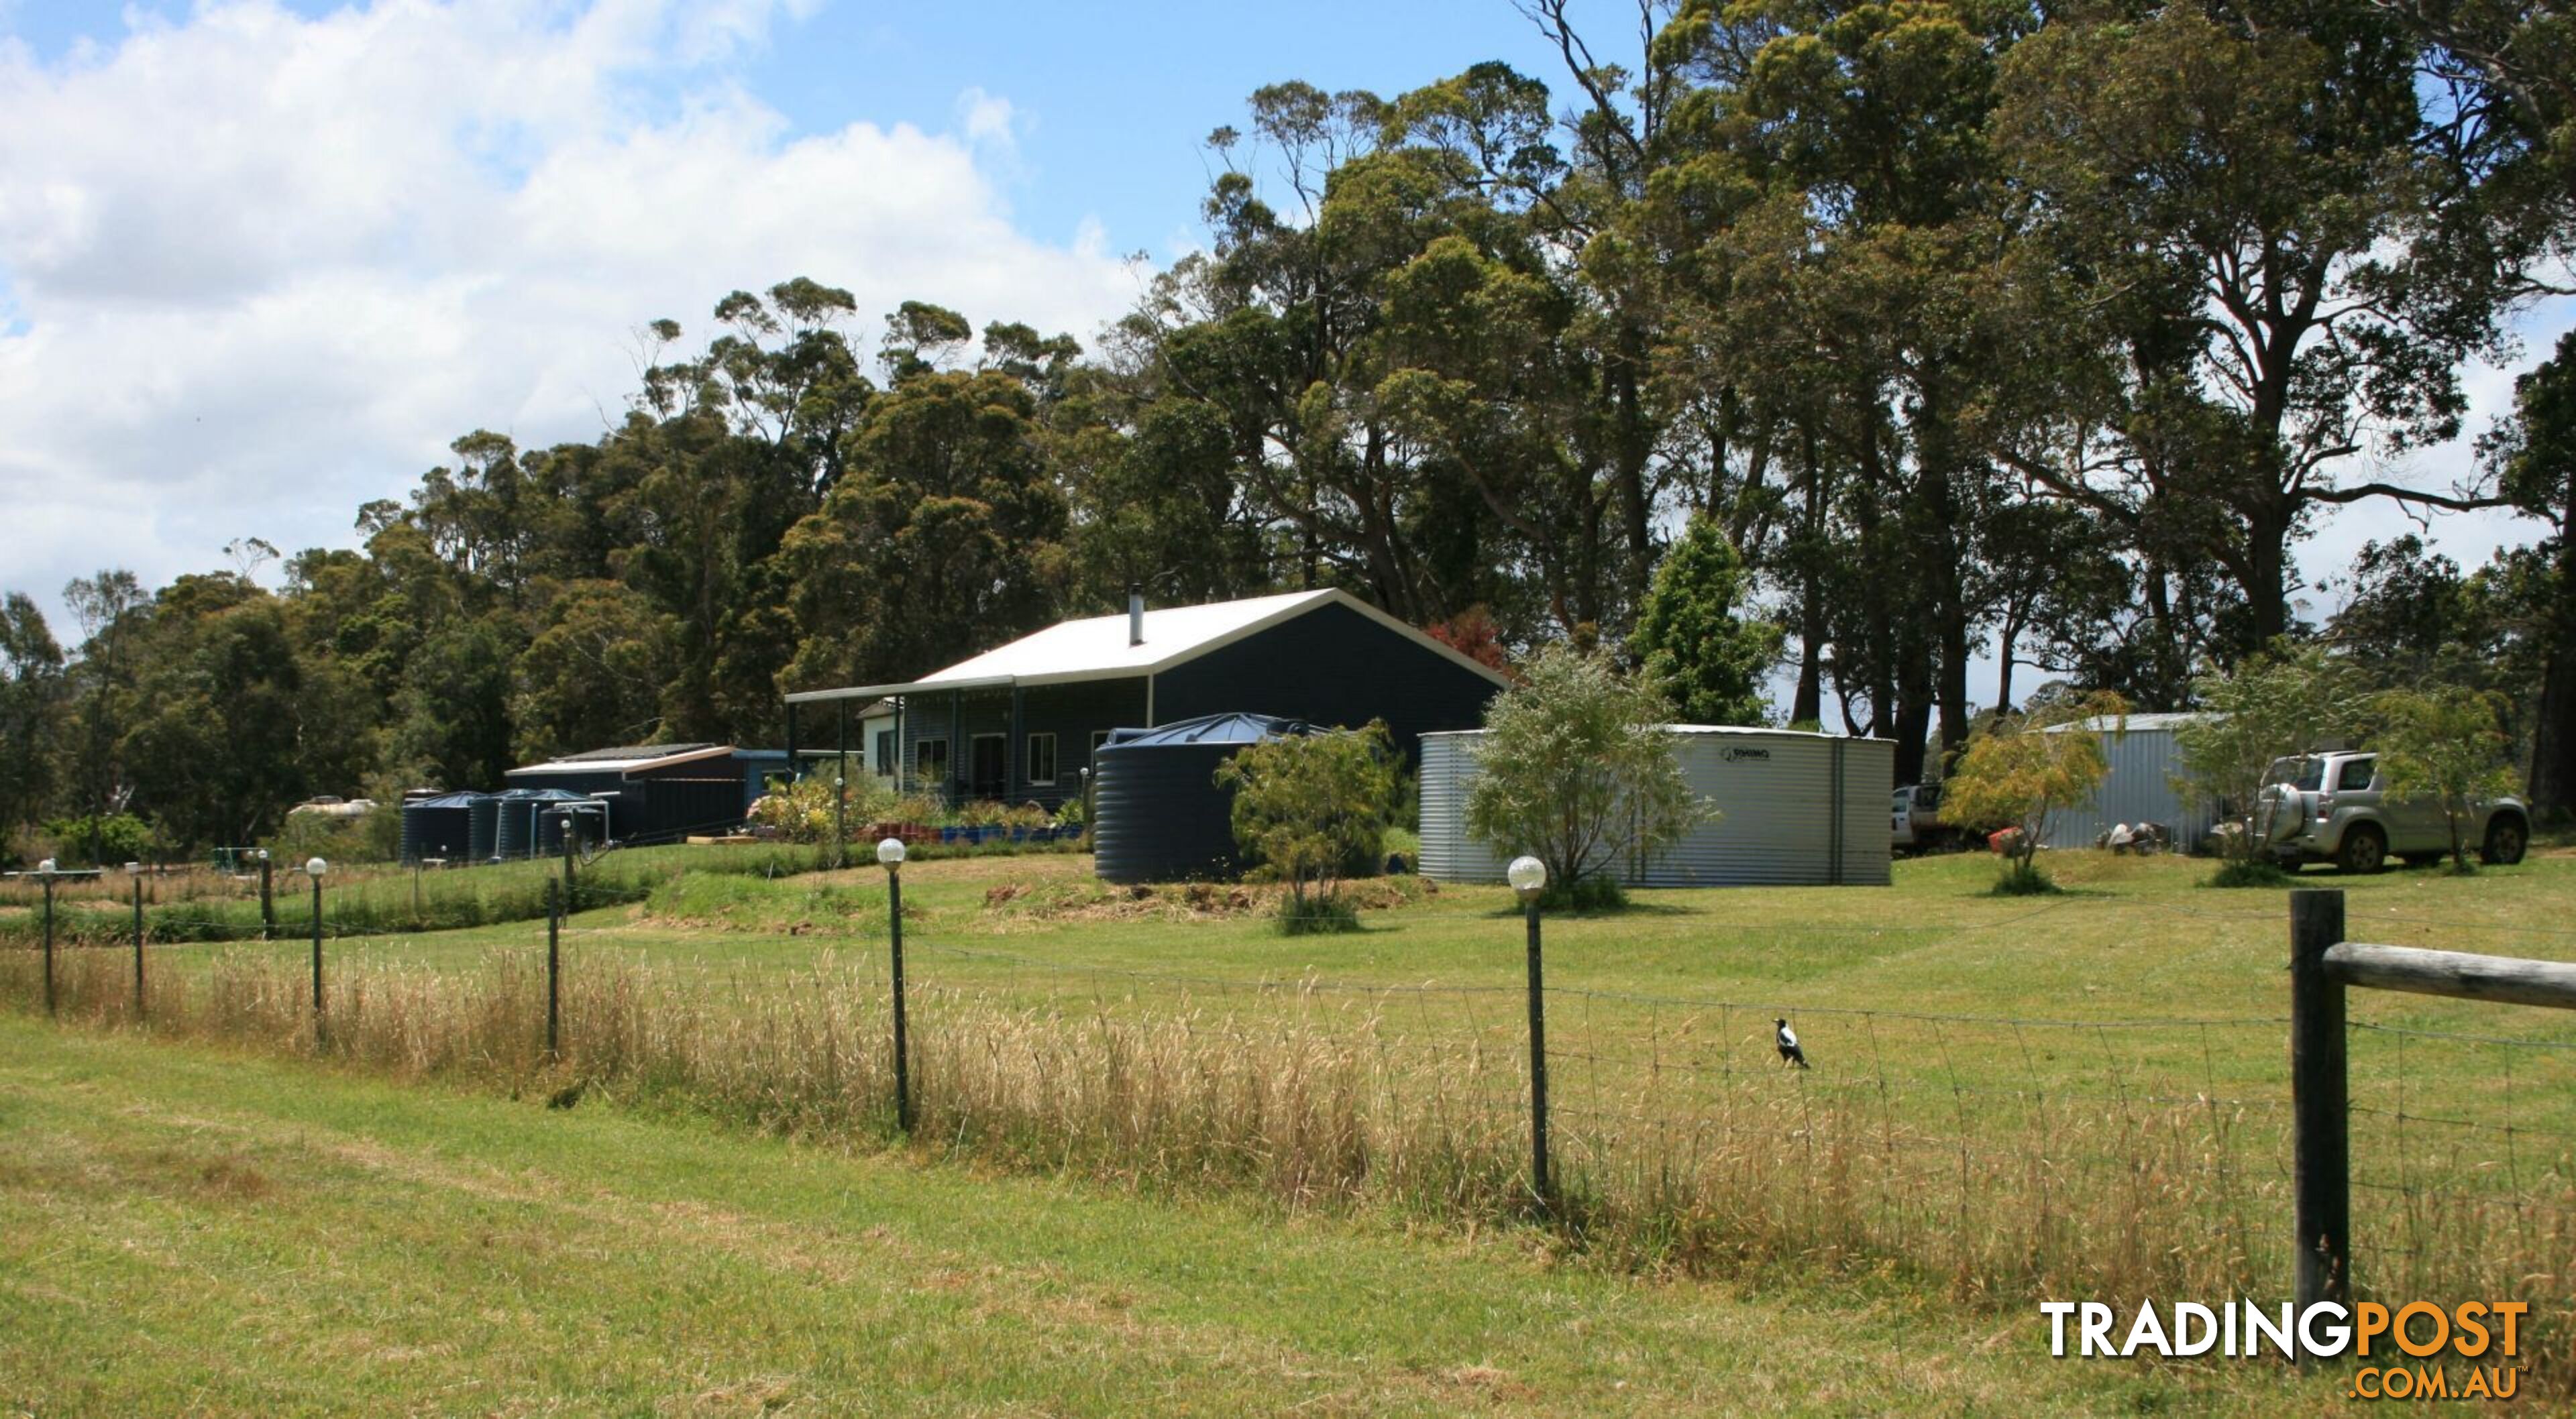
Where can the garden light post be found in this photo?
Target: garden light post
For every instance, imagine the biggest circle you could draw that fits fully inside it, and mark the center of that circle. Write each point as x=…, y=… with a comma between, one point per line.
x=1528, y=877
x=890, y=853
x=314, y=867
x=267, y=901
x=45, y=870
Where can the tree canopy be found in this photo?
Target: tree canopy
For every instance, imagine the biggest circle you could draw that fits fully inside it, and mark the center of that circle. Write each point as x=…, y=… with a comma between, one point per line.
x=1861, y=341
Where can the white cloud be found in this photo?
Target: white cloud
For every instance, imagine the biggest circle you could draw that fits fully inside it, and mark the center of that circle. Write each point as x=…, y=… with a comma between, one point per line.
x=2467, y=538
x=256, y=268
x=987, y=118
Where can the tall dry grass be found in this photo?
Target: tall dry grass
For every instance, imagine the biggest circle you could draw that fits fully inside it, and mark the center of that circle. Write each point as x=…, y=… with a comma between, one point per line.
x=1328, y=1099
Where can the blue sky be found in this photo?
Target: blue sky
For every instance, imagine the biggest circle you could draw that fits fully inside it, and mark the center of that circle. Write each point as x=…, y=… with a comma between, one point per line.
x=1111, y=103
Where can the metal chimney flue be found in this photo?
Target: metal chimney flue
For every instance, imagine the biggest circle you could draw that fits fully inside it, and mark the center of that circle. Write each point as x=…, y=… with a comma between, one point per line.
x=1135, y=614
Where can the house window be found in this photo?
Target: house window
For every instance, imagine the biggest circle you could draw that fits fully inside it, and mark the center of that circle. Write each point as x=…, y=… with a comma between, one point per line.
x=930, y=763
x=1098, y=738
x=885, y=751
x=1042, y=759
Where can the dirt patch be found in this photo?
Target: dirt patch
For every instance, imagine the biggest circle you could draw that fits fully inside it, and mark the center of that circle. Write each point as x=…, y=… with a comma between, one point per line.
x=1094, y=900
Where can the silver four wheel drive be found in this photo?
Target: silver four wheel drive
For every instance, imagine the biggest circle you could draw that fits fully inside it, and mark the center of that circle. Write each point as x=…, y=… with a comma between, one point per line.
x=2334, y=808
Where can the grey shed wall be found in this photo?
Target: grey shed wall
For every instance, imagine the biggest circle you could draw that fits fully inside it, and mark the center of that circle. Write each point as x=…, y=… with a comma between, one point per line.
x=1797, y=810
x=2139, y=788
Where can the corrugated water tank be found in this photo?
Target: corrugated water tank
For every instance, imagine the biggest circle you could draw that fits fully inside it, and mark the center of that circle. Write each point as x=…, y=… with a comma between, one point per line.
x=1793, y=809
x=438, y=828
x=486, y=824
x=1158, y=814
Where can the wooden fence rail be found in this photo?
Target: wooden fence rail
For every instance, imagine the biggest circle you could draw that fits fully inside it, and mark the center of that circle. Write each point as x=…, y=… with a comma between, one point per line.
x=2322, y=964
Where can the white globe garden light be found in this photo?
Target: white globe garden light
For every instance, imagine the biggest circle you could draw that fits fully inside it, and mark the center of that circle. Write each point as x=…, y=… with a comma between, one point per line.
x=46, y=867
x=1527, y=875
x=314, y=867
x=890, y=852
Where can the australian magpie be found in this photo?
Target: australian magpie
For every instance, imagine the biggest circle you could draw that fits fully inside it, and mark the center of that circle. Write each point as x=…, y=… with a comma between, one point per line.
x=1788, y=1042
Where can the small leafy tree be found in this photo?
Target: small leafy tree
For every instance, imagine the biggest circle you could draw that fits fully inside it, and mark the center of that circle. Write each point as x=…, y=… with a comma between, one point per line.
x=2023, y=767
x=2444, y=745
x=2270, y=706
x=1311, y=809
x=1576, y=770
x=1693, y=637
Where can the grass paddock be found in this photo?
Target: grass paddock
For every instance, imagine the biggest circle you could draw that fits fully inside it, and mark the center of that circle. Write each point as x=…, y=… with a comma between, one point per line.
x=2083, y=1094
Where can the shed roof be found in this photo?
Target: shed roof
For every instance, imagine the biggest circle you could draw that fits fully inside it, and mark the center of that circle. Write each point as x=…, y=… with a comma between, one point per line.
x=2160, y=721
x=624, y=760
x=1098, y=648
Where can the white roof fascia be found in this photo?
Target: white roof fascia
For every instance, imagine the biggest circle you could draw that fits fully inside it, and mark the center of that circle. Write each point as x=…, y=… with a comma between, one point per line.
x=908, y=687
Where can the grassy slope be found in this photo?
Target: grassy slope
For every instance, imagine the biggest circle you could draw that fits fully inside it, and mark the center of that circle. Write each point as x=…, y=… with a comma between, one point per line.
x=189, y=1230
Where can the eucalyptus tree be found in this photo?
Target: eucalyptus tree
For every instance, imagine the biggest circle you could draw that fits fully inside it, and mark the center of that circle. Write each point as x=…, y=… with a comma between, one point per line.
x=2248, y=196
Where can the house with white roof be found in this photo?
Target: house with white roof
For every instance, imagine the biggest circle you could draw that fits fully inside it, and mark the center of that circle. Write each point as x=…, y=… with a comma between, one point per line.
x=1020, y=722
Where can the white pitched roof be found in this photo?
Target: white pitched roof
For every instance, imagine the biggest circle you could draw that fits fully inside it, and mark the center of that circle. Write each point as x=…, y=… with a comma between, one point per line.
x=643, y=757
x=1096, y=647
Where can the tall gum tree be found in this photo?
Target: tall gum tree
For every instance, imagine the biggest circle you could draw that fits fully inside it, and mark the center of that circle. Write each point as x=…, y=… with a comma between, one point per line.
x=2264, y=171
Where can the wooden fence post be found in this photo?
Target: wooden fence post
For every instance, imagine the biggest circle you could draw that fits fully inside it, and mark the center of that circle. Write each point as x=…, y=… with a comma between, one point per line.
x=2318, y=1101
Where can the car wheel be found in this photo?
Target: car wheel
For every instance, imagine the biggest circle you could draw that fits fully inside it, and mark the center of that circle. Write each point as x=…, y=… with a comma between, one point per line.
x=2505, y=842
x=2364, y=850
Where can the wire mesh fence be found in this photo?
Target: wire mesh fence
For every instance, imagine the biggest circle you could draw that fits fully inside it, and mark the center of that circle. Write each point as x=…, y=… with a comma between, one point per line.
x=2005, y=1156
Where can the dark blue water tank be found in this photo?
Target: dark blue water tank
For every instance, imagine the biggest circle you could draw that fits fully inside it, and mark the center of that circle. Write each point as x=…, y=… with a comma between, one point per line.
x=1157, y=812
x=440, y=828
x=485, y=821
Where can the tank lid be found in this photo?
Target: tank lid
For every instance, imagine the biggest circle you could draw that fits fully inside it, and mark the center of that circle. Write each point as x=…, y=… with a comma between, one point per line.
x=447, y=800
x=1235, y=728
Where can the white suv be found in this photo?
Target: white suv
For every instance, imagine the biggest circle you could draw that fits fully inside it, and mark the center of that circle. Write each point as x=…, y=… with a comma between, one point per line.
x=2335, y=808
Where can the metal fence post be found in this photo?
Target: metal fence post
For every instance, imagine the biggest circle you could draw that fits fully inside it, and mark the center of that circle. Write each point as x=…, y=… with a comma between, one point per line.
x=902, y=1054
x=49, y=938
x=267, y=901
x=321, y=1033
x=138, y=946
x=554, y=971
x=2319, y=1101
x=1538, y=1059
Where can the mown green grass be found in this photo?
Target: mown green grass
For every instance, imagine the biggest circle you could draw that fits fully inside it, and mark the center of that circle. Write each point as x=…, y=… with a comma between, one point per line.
x=187, y=1230
x=2111, y=1059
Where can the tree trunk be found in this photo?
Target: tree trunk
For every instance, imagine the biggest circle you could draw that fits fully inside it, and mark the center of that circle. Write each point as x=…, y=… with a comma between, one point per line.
x=2265, y=572
x=2552, y=785
x=1808, y=704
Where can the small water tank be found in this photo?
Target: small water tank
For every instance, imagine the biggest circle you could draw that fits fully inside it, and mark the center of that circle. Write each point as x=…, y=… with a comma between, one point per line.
x=528, y=827
x=1158, y=814
x=486, y=822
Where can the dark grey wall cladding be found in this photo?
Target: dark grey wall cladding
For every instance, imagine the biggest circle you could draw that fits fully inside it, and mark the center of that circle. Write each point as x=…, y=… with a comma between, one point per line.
x=1331, y=666
x=1070, y=712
